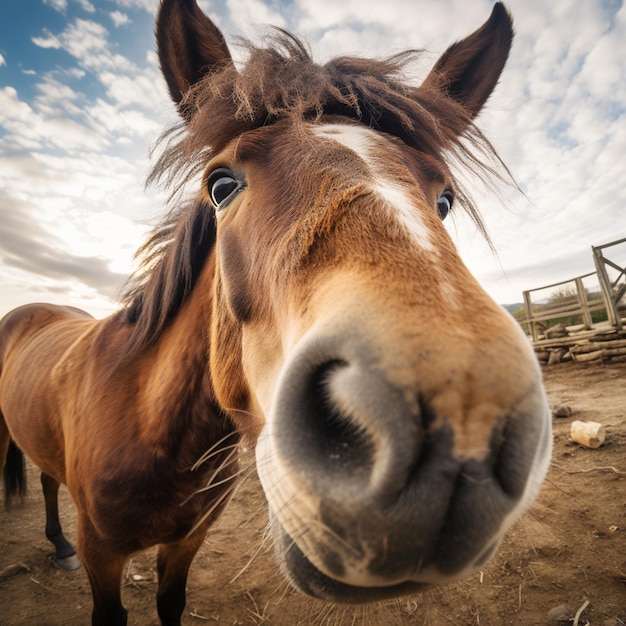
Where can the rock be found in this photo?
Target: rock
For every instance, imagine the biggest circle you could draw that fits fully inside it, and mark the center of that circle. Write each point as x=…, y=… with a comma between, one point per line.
x=561, y=614
x=561, y=410
x=13, y=570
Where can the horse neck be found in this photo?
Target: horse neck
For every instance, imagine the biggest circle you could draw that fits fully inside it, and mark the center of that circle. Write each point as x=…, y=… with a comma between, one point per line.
x=177, y=401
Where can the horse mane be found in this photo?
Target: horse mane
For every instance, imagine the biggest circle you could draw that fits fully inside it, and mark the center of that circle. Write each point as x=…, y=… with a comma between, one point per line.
x=281, y=81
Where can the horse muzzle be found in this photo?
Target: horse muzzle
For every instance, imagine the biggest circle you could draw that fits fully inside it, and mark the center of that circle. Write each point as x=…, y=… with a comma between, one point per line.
x=374, y=490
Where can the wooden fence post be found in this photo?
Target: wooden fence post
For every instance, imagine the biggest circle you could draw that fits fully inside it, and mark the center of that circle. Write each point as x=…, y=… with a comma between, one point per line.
x=610, y=299
x=582, y=302
x=529, y=315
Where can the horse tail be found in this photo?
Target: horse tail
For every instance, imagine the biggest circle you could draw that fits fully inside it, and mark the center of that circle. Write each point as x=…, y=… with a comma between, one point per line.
x=14, y=474
x=14, y=461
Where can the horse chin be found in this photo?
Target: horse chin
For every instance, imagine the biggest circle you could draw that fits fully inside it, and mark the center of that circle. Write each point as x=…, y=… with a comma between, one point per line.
x=308, y=579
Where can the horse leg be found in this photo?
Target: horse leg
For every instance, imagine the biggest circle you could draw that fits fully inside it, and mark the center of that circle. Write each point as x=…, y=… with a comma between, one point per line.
x=104, y=568
x=65, y=552
x=173, y=562
x=5, y=439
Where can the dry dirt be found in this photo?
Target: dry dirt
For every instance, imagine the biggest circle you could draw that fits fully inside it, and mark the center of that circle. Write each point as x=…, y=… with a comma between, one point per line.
x=569, y=549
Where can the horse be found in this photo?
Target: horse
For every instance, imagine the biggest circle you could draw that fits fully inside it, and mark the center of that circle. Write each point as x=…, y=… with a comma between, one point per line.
x=304, y=298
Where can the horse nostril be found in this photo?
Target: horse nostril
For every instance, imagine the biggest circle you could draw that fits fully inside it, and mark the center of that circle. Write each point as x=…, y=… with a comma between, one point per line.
x=334, y=439
x=517, y=444
x=342, y=429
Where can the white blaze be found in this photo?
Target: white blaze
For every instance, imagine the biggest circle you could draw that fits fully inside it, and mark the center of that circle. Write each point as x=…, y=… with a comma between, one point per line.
x=359, y=140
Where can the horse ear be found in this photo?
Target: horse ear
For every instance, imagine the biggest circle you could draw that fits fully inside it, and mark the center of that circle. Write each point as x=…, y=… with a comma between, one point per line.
x=468, y=70
x=189, y=46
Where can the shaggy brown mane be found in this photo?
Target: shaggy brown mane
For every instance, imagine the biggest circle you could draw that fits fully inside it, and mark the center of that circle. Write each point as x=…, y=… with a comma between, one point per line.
x=281, y=81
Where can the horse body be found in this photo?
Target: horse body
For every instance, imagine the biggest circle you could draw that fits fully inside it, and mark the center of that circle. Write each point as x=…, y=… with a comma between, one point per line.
x=124, y=443
x=310, y=300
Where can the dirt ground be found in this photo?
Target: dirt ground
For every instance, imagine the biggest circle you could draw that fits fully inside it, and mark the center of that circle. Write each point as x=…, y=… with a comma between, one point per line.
x=569, y=549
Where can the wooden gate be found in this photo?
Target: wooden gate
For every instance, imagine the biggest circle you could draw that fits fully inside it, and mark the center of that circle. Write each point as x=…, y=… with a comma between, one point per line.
x=612, y=290
x=579, y=301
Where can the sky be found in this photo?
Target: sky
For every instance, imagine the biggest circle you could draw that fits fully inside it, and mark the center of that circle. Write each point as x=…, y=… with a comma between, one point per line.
x=82, y=101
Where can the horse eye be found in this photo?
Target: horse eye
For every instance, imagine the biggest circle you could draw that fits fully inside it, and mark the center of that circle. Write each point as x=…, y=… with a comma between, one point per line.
x=444, y=204
x=221, y=185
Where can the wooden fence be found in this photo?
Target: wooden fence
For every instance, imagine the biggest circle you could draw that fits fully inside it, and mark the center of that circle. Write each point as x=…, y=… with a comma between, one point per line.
x=578, y=304
x=576, y=300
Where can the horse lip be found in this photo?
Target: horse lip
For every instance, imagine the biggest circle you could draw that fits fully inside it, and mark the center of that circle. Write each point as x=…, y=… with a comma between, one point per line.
x=311, y=581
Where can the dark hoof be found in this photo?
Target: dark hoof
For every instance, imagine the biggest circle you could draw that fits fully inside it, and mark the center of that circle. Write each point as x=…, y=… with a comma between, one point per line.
x=69, y=563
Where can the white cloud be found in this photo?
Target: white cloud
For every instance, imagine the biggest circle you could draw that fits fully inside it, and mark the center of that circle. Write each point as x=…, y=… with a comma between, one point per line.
x=87, y=41
x=30, y=245
x=64, y=175
x=145, y=90
x=72, y=220
x=248, y=13
x=398, y=25
x=62, y=5
x=49, y=41
x=54, y=95
x=146, y=5
x=86, y=6
x=27, y=129
x=12, y=110
x=558, y=119
x=119, y=18
x=114, y=121
x=134, y=97
x=57, y=5
x=2, y=61
x=72, y=72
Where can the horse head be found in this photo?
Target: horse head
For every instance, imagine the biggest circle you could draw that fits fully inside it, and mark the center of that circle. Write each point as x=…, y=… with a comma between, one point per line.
x=398, y=436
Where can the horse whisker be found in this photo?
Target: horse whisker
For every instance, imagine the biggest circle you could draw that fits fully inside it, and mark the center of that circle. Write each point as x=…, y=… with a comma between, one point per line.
x=247, y=565
x=244, y=412
x=209, y=454
x=225, y=463
x=306, y=523
x=227, y=493
x=214, y=449
x=223, y=481
x=211, y=483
